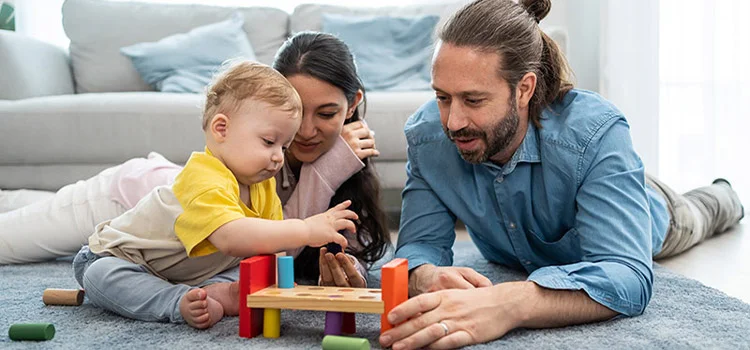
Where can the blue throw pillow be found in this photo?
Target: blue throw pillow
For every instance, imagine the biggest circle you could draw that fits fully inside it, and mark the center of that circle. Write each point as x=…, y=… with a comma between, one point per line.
x=187, y=62
x=392, y=53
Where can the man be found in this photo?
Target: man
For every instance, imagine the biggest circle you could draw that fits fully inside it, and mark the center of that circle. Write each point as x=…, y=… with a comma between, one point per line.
x=545, y=178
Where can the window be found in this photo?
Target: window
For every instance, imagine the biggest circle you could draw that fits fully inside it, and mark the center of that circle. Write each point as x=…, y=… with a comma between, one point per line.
x=704, y=89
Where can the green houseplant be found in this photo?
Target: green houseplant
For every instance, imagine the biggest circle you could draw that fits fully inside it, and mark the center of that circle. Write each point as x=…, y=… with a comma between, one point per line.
x=7, y=16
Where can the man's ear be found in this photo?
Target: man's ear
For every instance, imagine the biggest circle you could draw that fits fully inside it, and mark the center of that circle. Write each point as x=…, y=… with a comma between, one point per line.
x=358, y=97
x=525, y=89
x=218, y=127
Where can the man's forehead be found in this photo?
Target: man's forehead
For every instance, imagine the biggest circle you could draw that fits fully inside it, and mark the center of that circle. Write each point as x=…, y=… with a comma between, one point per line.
x=466, y=83
x=463, y=92
x=464, y=70
x=467, y=53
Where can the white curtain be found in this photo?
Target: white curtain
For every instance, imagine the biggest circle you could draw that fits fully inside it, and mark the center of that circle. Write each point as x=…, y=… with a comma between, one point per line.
x=704, y=92
x=680, y=72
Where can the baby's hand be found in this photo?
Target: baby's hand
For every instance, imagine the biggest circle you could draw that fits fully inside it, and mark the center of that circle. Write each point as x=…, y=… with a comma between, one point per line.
x=324, y=228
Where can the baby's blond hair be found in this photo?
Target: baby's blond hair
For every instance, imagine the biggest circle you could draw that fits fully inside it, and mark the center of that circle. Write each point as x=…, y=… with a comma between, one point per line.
x=242, y=80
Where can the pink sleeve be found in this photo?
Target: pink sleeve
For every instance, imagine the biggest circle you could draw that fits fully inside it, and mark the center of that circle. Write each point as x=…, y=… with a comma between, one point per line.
x=318, y=182
x=138, y=176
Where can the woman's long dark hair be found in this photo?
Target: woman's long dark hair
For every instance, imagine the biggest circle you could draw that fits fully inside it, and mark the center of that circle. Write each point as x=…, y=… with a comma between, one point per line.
x=325, y=57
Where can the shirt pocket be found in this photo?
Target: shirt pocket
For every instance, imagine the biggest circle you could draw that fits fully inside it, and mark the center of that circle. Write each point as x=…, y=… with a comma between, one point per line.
x=565, y=249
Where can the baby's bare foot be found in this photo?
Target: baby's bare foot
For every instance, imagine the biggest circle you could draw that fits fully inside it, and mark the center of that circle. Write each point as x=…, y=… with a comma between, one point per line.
x=199, y=310
x=227, y=294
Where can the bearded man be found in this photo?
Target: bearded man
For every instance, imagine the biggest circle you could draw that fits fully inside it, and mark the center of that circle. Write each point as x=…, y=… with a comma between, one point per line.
x=546, y=180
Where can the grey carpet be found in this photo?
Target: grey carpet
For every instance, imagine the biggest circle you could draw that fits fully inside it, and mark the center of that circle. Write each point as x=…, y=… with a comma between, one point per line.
x=683, y=314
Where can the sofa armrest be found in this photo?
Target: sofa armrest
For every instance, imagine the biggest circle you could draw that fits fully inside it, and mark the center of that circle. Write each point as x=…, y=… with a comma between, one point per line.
x=32, y=68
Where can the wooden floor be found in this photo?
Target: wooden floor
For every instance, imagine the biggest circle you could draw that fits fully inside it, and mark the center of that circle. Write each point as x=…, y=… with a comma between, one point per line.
x=722, y=262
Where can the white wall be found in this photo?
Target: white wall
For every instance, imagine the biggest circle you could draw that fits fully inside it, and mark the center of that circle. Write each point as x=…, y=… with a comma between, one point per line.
x=580, y=20
x=630, y=70
x=41, y=19
x=613, y=49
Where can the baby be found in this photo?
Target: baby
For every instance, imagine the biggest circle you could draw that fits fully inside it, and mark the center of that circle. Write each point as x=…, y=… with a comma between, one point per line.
x=174, y=256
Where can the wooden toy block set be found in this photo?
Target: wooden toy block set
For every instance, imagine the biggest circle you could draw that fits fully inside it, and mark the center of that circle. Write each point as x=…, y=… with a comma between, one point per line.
x=262, y=298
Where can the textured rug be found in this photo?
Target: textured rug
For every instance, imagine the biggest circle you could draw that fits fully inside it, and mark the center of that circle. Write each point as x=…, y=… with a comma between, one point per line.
x=683, y=314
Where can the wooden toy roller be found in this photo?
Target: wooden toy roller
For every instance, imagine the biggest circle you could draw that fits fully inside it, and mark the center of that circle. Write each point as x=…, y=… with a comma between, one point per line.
x=70, y=297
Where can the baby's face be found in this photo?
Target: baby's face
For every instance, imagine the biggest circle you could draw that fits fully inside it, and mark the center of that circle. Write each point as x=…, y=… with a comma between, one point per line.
x=257, y=136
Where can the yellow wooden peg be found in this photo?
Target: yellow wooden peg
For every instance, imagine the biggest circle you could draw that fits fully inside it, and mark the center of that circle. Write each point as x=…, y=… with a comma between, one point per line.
x=271, y=323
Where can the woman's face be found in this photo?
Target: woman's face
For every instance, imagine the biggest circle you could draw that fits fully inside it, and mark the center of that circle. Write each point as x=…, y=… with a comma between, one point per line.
x=324, y=110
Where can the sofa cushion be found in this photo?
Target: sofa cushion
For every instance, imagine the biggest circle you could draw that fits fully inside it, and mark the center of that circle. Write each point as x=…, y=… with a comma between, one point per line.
x=99, y=28
x=392, y=53
x=392, y=174
x=387, y=112
x=186, y=62
x=310, y=16
x=61, y=139
x=100, y=128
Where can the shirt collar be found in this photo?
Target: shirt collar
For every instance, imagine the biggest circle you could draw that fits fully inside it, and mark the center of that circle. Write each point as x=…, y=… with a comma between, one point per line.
x=527, y=152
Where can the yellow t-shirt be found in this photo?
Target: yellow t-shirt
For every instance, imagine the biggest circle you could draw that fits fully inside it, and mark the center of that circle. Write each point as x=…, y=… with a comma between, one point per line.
x=167, y=231
x=210, y=196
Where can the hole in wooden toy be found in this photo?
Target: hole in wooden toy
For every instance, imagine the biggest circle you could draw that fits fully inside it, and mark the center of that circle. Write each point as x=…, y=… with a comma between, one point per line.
x=346, y=290
x=273, y=292
x=315, y=288
x=375, y=291
x=335, y=296
x=367, y=297
x=303, y=294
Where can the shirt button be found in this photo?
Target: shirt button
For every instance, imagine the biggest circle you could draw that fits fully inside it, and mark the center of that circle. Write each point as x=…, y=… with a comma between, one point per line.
x=512, y=226
x=499, y=179
x=527, y=262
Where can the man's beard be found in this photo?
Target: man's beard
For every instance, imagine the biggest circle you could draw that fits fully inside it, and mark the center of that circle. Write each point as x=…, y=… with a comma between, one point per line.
x=502, y=133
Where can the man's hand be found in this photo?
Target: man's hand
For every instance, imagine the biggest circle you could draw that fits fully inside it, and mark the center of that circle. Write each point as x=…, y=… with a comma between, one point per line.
x=454, y=318
x=430, y=278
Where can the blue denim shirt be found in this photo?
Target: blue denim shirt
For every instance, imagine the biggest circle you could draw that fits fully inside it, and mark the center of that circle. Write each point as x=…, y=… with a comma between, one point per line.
x=571, y=207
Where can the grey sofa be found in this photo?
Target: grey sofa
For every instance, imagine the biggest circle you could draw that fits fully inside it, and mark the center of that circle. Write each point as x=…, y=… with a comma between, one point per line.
x=65, y=115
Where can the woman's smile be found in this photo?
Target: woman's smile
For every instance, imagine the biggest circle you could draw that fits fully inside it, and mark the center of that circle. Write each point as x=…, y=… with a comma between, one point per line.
x=306, y=146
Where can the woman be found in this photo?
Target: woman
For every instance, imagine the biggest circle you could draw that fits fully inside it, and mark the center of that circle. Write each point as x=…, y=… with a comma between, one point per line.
x=328, y=162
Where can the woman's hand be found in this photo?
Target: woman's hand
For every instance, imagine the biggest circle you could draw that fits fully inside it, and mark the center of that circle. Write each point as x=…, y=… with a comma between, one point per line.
x=339, y=270
x=360, y=139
